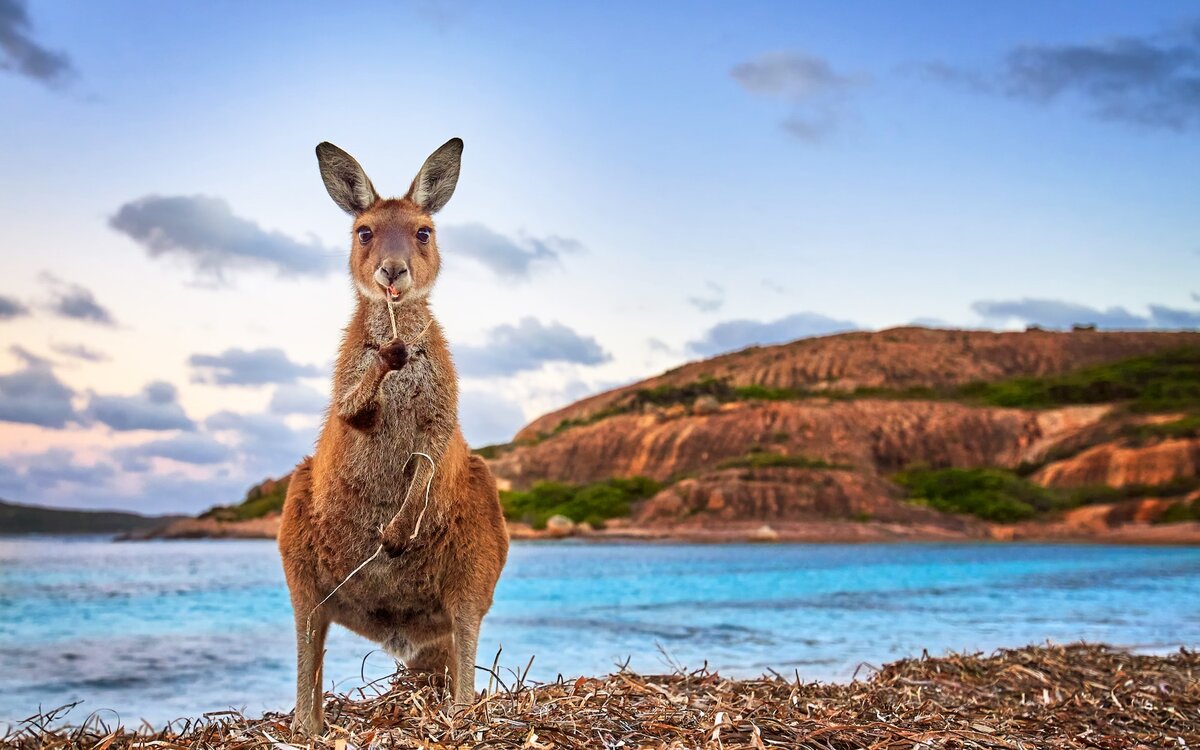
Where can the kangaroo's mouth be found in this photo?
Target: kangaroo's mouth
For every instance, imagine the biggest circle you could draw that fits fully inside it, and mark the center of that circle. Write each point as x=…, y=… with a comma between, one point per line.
x=396, y=290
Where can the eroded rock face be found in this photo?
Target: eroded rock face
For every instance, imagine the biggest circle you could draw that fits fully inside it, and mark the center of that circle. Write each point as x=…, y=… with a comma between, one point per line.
x=786, y=494
x=1118, y=465
x=861, y=442
x=896, y=358
x=869, y=436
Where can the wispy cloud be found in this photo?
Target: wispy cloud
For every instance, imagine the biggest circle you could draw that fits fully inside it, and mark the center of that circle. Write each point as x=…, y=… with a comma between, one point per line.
x=249, y=367
x=74, y=301
x=516, y=258
x=1053, y=313
x=815, y=91
x=1151, y=81
x=11, y=308
x=738, y=334
x=34, y=394
x=79, y=351
x=20, y=53
x=31, y=476
x=156, y=407
x=658, y=345
x=206, y=234
x=711, y=301
x=57, y=477
x=528, y=345
x=265, y=443
x=189, y=447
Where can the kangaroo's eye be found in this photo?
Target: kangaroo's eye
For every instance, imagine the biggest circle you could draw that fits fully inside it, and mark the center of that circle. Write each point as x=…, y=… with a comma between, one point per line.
x=364, y=235
x=423, y=235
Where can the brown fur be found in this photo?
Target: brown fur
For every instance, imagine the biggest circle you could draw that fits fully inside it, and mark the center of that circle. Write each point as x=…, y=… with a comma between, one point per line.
x=425, y=599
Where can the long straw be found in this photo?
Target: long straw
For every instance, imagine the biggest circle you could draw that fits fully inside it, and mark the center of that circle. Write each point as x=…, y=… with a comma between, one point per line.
x=375, y=554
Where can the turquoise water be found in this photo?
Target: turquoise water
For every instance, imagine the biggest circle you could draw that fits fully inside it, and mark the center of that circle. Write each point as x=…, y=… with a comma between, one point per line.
x=160, y=630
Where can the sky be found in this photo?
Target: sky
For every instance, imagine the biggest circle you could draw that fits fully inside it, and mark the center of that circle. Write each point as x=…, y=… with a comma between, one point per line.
x=643, y=184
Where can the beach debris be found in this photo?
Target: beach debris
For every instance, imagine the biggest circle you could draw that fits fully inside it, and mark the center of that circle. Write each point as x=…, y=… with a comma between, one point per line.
x=559, y=526
x=1078, y=696
x=765, y=533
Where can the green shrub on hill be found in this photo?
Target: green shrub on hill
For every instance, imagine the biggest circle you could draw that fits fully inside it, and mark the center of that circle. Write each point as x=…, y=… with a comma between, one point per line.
x=258, y=503
x=567, y=424
x=759, y=460
x=1005, y=497
x=1185, y=427
x=755, y=392
x=590, y=503
x=1075, y=497
x=1180, y=512
x=991, y=494
x=686, y=394
x=492, y=451
x=1157, y=382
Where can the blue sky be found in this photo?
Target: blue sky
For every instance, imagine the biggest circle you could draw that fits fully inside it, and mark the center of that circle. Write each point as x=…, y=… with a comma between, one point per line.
x=642, y=184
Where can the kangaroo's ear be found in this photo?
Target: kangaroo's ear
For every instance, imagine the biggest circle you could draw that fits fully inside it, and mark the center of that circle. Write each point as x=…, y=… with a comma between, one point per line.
x=439, y=174
x=345, y=179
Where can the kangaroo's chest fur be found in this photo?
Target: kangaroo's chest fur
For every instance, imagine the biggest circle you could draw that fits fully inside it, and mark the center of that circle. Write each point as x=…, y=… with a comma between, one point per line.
x=368, y=476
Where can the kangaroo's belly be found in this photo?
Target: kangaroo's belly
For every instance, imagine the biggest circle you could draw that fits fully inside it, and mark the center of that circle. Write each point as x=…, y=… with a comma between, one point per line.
x=401, y=618
x=387, y=598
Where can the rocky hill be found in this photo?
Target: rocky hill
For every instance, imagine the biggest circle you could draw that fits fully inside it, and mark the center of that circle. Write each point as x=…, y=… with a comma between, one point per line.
x=910, y=431
x=898, y=358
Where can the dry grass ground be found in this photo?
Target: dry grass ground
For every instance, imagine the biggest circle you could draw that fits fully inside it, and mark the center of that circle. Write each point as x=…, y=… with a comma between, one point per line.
x=1078, y=696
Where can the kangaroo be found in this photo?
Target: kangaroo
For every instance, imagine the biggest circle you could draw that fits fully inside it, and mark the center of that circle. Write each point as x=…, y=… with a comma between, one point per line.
x=390, y=436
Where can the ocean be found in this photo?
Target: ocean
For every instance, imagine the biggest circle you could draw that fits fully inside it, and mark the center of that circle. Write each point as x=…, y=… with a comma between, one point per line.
x=160, y=630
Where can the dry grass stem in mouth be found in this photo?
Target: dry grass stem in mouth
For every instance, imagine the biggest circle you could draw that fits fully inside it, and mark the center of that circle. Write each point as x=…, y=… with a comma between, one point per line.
x=391, y=306
x=1079, y=696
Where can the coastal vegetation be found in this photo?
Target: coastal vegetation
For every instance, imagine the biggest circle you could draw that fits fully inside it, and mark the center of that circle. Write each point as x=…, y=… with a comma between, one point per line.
x=991, y=494
x=1180, y=512
x=592, y=503
x=1187, y=426
x=1165, y=381
x=261, y=499
x=495, y=450
x=764, y=459
x=1003, y=496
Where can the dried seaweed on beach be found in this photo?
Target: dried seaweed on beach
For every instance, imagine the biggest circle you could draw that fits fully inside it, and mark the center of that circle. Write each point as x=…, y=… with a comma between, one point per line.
x=1079, y=696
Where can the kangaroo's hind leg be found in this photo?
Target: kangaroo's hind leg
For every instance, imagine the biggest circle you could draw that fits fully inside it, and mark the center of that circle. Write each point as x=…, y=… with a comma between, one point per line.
x=466, y=643
x=312, y=622
x=310, y=658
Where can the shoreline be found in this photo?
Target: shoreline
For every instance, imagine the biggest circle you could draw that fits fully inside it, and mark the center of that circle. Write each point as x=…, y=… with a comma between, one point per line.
x=815, y=532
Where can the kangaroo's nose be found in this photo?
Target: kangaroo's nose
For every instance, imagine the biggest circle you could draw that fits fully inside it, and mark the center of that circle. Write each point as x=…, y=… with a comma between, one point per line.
x=393, y=271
